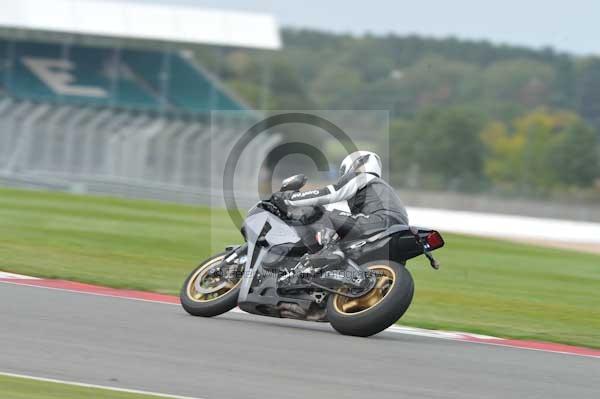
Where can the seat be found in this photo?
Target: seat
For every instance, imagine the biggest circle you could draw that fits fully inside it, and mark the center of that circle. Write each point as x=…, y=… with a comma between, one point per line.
x=373, y=231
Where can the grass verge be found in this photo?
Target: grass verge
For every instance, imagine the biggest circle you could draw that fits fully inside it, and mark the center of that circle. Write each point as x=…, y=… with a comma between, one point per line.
x=485, y=286
x=26, y=388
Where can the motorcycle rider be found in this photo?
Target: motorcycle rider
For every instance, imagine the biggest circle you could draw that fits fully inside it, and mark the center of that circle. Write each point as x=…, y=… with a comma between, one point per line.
x=374, y=204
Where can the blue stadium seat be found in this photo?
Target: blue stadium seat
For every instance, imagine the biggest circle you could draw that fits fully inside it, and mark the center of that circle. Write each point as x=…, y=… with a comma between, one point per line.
x=109, y=77
x=94, y=68
x=4, y=62
x=146, y=63
x=194, y=91
x=22, y=80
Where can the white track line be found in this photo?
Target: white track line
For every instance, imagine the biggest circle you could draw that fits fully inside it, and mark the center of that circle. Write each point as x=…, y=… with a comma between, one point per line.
x=105, y=387
x=88, y=293
x=16, y=276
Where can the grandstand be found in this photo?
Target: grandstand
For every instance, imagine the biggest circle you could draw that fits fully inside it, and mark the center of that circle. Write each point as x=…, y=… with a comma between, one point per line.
x=123, y=78
x=117, y=117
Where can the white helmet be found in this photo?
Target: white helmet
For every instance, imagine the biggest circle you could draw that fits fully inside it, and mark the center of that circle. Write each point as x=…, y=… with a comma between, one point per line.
x=361, y=161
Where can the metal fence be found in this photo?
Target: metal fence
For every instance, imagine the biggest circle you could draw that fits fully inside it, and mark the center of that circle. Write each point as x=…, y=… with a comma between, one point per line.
x=117, y=151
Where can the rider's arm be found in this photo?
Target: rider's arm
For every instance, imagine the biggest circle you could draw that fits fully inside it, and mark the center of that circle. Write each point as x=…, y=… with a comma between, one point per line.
x=343, y=190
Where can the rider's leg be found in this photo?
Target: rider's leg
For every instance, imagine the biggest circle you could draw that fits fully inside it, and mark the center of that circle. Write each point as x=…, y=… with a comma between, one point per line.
x=351, y=226
x=346, y=226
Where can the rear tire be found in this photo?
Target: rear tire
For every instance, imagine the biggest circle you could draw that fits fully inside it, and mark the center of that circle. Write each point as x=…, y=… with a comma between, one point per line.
x=207, y=307
x=373, y=312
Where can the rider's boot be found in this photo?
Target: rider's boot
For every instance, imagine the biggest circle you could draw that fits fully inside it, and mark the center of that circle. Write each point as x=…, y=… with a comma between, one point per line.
x=330, y=253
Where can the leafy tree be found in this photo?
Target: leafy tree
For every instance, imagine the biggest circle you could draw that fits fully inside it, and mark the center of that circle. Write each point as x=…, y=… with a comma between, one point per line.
x=444, y=145
x=526, y=82
x=541, y=151
x=335, y=85
x=576, y=154
x=435, y=81
x=587, y=96
x=290, y=91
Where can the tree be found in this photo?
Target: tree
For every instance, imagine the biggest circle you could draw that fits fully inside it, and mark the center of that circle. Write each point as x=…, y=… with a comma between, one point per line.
x=433, y=82
x=445, y=146
x=526, y=82
x=541, y=151
x=335, y=86
x=587, y=92
x=289, y=89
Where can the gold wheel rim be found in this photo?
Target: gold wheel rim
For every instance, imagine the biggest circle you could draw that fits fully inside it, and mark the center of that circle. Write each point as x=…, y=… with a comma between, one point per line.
x=386, y=278
x=201, y=273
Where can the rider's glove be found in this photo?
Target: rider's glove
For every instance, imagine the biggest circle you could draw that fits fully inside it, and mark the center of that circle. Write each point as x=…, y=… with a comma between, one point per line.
x=278, y=199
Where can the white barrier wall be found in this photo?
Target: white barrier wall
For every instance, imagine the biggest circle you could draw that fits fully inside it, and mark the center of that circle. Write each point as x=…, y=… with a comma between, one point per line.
x=506, y=226
x=501, y=226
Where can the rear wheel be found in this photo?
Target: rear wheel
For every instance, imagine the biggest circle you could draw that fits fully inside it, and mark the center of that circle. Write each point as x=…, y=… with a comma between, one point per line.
x=379, y=308
x=207, y=293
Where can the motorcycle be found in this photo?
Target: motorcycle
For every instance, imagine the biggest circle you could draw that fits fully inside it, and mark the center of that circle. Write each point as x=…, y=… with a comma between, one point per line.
x=360, y=286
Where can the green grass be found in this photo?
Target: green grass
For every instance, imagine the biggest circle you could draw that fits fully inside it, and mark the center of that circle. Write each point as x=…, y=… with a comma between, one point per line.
x=24, y=388
x=485, y=286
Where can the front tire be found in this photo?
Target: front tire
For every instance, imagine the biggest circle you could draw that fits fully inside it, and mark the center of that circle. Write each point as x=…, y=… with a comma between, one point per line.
x=379, y=308
x=208, y=305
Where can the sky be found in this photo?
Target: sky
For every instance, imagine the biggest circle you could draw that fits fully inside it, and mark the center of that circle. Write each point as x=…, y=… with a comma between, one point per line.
x=572, y=26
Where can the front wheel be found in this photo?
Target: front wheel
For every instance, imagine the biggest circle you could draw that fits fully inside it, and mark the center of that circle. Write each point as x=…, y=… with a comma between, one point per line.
x=379, y=308
x=206, y=293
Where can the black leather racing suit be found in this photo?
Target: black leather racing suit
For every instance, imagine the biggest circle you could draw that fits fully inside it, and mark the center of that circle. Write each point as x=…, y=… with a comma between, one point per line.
x=373, y=204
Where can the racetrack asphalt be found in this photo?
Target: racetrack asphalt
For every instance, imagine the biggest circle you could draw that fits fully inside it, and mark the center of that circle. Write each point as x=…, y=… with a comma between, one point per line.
x=158, y=347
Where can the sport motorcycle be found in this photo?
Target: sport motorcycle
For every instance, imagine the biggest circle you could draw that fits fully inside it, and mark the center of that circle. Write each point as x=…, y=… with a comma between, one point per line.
x=360, y=286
